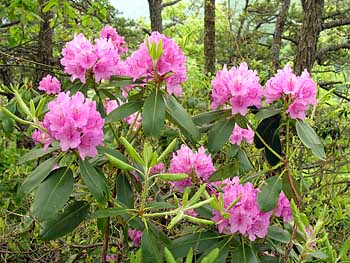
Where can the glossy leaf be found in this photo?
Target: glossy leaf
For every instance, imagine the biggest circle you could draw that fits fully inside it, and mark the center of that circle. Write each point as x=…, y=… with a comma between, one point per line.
x=153, y=114
x=95, y=182
x=124, y=191
x=219, y=134
x=109, y=212
x=279, y=234
x=66, y=222
x=266, y=113
x=150, y=249
x=36, y=154
x=266, y=130
x=124, y=110
x=244, y=254
x=53, y=193
x=36, y=177
x=172, y=176
x=119, y=163
x=208, y=117
x=228, y=171
x=180, y=116
x=269, y=193
x=275, y=144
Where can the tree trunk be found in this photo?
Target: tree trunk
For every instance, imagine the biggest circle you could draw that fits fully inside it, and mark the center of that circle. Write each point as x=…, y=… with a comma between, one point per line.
x=309, y=34
x=45, y=43
x=209, y=36
x=155, y=12
x=277, y=37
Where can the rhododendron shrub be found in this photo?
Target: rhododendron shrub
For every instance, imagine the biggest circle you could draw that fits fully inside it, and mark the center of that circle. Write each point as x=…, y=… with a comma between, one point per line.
x=223, y=179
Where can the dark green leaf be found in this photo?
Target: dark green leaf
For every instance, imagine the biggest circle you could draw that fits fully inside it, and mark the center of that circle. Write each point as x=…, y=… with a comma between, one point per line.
x=244, y=254
x=110, y=212
x=53, y=193
x=150, y=249
x=266, y=129
x=275, y=144
x=180, y=116
x=124, y=111
x=245, y=164
x=279, y=234
x=36, y=154
x=269, y=259
x=310, y=139
x=160, y=205
x=124, y=192
x=208, y=117
x=66, y=222
x=153, y=114
x=36, y=177
x=266, y=113
x=229, y=170
x=319, y=254
x=219, y=134
x=95, y=182
x=102, y=150
x=269, y=193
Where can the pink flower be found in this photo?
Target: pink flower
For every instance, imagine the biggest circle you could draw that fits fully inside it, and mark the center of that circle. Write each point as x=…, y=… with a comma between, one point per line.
x=283, y=208
x=135, y=235
x=158, y=168
x=238, y=87
x=170, y=66
x=50, y=85
x=111, y=258
x=198, y=165
x=300, y=91
x=75, y=123
x=238, y=134
x=244, y=216
x=41, y=137
x=110, y=33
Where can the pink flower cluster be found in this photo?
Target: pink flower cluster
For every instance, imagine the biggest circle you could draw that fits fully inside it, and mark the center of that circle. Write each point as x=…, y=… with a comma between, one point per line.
x=238, y=87
x=245, y=216
x=80, y=56
x=238, y=134
x=283, y=208
x=170, y=67
x=39, y=136
x=133, y=119
x=300, y=91
x=75, y=123
x=157, y=169
x=198, y=165
x=110, y=33
x=50, y=85
x=135, y=235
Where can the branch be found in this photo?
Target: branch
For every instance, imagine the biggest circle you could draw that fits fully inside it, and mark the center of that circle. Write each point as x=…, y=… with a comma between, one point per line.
x=325, y=87
x=9, y=24
x=336, y=23
x=323, y=51
x=170, y=3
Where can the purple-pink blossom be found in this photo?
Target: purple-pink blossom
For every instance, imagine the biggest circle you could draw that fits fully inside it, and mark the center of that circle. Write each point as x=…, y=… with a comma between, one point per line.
x=110, y=33
x=238, y=134
x=157, y=169
x=111, y=258
x=170, y=66
x=74, y=122
x=133, y=120
x=299, y=91
x=135, y=235
x=50, y=85
x=238, y=87
x=81, y=56
x=244, y=216
x=283, y=208
x=198, y=165
x=42, y=137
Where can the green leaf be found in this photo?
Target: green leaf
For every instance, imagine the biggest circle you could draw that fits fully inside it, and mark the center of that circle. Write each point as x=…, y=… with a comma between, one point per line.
x=95, y=182
x=110, y=212
x=131, y=151
x=275, y=144
x=269, y=259
x=344, y=249
x=36, y=154
x=270, y=191
x=208, y=117
x=244, y=254
x=266, y=113
x=245, y=164
x=229, y=170
x=279, y=234
x=36, y=177
x=200, y=242
x=150, y=250
x=219, y=134
x=153, y=114
x=119, y=163
x=172, y=176
x=124, y=191
x=168, y=256
x=310, y=139
x=181, y=117
x=66, y=222
x=124, y=110
x=53, y=193
x=266, y=129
